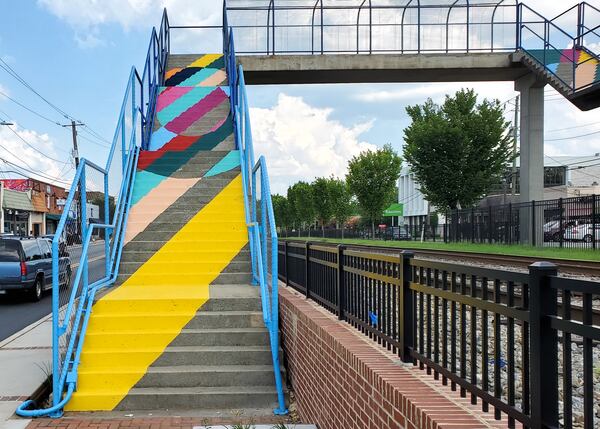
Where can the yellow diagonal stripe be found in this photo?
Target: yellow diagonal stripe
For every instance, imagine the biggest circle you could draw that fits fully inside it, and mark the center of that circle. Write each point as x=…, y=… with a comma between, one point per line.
x=131, y=326
x=205, y=60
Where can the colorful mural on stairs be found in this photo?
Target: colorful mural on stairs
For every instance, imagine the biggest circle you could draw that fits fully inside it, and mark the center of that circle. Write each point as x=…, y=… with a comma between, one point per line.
x=131, y=326
x=561, y=64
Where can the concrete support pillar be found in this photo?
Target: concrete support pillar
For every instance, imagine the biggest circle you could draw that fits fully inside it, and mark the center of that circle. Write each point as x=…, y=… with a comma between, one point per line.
x=531, y=142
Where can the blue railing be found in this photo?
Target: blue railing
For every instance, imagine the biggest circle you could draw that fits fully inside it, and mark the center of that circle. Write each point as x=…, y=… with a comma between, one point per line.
x=548, y=43
x=70, y=316
x=262, y=234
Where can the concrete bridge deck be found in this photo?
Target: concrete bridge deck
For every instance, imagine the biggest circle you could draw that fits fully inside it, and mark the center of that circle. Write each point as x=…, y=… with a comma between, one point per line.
x=370, y=68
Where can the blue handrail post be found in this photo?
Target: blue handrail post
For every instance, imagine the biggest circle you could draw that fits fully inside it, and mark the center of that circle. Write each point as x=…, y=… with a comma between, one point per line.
x=107, y=231
x=56, y=389
x=84, y=225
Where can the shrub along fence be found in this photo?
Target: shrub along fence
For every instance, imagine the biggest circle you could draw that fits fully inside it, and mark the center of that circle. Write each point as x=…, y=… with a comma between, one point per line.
x=523, y=345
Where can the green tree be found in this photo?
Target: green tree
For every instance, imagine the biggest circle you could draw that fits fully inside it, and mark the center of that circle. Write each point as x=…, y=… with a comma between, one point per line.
x=372, y=178
x=301, y=205
x=341, y=201
x=459, y=150
x=281, y=211
x=321, y=189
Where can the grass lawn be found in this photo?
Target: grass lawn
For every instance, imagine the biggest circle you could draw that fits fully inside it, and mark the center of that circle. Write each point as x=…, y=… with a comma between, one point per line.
x=496, y=249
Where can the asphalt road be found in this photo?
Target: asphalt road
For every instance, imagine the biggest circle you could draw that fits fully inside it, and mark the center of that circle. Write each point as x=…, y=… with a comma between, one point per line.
x=17, y=312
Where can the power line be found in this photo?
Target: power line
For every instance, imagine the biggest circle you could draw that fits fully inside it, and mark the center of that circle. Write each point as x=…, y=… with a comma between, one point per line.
x=29, y=170
x=15, y=75
x=34, y=148
x=93, y=141
x=29, y=109
x=573, y=137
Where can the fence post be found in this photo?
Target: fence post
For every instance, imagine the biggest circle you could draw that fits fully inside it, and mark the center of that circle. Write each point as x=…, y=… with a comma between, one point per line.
x=446, y=227
x=341, y=293
x=594, y=221
x=544, y=346
x=472, y=224
x=307, y=269
x=561, y=226
x=490, y=225
x=533, y=232
x=285, y=262
x=406, y=319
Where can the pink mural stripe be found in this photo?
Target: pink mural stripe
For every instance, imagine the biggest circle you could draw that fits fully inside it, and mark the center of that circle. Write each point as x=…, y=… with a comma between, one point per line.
x=172, y=95
x=218, y=122
x=156, y=202
x=569, y=55
x=197, y=111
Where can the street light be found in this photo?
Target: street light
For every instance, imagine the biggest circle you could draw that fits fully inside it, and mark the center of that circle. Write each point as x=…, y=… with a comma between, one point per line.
x=6, y=123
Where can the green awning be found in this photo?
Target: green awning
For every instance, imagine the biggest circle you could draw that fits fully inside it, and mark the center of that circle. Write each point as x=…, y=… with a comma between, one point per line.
x=395, y=209
x=50, y=216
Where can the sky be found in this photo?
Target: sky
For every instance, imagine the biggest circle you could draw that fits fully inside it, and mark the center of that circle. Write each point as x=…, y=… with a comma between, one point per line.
x=78, y=53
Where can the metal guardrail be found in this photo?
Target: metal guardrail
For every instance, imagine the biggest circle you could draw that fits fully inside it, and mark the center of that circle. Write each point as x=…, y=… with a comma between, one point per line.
x=261, y=223
x=71, y=306
x=507, y=339
x=317, y=27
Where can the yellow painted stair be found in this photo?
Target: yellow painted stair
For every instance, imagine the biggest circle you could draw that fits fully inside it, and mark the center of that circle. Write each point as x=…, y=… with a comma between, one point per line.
x=131, y=326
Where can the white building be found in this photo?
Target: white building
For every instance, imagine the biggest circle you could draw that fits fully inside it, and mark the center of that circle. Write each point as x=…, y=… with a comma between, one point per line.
x=564, y=177
x=409, y=195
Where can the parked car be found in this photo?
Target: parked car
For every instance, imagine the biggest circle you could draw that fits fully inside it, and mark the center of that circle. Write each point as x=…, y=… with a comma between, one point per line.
x=552, y=229
x=62, y=244
x=26, y=266
x=583, y=232
x=396, y=233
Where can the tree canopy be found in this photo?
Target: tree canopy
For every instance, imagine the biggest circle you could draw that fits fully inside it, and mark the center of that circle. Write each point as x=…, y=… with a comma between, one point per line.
x=372, y=178
x=301, y=204
x=459, y=150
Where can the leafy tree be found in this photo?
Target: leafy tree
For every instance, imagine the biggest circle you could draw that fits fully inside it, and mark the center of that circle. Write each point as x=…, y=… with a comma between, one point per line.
x=301, y=205
x=372, y=177
x=341, y=201
x=459, y=150
x=321, y=189
x=281, y=211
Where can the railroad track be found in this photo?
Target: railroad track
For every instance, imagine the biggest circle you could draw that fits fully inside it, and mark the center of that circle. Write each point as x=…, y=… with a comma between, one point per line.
x=565, y=266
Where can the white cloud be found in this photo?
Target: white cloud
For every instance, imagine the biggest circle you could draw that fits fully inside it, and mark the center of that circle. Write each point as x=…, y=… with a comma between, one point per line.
x=411, y=93
x=302, y=142
x=16, y=151
x=88, y=17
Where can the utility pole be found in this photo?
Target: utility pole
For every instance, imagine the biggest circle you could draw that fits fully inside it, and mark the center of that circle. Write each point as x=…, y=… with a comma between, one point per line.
x=515, y=138
x=74, y=126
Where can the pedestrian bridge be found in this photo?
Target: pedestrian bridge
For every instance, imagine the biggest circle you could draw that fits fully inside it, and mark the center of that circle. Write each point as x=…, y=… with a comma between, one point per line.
x=361, y=41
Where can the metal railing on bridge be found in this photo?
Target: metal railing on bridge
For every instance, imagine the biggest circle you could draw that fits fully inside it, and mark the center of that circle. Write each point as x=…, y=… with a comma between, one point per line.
x=522, y=345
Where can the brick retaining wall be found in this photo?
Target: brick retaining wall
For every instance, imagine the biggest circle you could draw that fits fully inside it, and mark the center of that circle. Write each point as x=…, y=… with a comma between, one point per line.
x=342, y=379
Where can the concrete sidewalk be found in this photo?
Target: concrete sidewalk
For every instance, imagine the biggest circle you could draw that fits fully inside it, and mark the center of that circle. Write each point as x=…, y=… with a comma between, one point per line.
x=25, y=361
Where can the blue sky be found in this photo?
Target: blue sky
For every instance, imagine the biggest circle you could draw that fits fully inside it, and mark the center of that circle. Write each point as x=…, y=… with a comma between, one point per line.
x=77, y=54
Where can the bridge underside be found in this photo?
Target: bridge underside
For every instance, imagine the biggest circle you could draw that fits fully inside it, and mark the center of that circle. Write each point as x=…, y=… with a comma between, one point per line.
x=405, y=68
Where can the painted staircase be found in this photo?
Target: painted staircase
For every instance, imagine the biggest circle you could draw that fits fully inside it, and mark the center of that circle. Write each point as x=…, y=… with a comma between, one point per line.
x=574, y=73
x=183, y=328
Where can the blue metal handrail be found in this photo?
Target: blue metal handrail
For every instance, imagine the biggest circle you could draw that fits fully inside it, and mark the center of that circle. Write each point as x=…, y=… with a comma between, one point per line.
x=137, y=111
x=260, y=253
x=525, y=28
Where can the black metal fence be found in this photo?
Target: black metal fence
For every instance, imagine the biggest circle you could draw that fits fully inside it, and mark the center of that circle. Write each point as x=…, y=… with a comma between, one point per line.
x=524, y=345
x=563, y=222
x=398, y=233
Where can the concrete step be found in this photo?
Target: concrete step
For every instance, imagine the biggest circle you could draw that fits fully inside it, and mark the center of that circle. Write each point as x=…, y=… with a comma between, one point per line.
x=226, y=319
x=153, y=245
x=223, y=337
x=103, y=360
x=142, y=256
x=208, y=376
x=171, y=279
x=232, y=278
x=232, y=304
x=191, y=267
x=225, y=398
x=217, y=226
